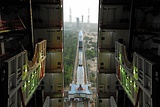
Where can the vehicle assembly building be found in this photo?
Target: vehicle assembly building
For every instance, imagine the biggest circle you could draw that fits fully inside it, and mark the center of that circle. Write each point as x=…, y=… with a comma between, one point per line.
x=32, y=50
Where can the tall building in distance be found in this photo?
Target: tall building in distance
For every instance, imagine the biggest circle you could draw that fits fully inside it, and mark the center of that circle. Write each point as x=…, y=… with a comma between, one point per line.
x=77, y=23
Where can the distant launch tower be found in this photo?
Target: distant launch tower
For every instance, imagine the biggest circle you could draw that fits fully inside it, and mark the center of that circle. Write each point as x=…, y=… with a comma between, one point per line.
x=82, y=18
x=82, y=23
x=88, y=25
x=88, y=16
x=70, y=18
x=70, y=15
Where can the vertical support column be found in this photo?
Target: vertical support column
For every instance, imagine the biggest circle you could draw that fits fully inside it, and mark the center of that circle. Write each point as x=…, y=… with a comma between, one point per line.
x=131, y=28
x=1, y=21
x=112, y=14
x=30, y=29
x=120, y=97
x=137, y=97
x=32, y=101
x=22, y=97
x=127, y=102
x=2, y=48
x=158, y=50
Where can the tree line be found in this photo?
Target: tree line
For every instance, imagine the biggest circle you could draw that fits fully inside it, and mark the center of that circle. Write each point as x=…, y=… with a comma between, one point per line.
x=70, y=46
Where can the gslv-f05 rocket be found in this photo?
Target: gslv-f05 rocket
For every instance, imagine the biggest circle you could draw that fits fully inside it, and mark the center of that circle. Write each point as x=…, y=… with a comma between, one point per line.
x=80, y=68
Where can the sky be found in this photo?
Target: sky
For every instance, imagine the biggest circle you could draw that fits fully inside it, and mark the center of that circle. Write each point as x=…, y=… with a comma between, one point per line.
x=79, y=8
